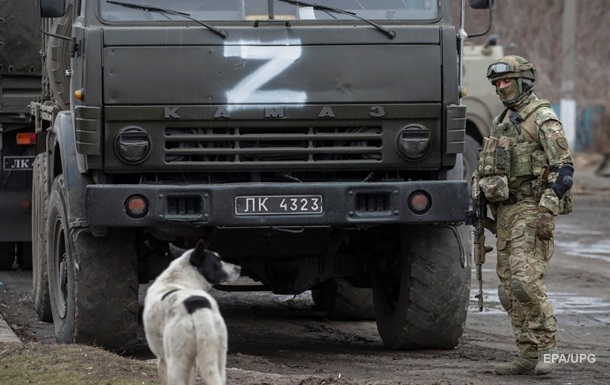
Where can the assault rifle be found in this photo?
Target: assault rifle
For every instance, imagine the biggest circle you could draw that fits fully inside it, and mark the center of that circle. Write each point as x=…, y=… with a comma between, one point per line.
x=480, y=221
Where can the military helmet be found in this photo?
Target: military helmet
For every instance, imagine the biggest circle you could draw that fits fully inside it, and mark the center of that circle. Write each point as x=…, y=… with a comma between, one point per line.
x=510, y=67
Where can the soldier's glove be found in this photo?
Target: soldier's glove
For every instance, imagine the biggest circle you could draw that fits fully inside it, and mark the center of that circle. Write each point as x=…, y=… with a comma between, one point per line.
x=545, y=224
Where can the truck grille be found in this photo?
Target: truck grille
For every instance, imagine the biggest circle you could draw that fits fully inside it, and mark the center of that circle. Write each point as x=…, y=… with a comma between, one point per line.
x=372, y=202
x=184, y=205
x=265, y=145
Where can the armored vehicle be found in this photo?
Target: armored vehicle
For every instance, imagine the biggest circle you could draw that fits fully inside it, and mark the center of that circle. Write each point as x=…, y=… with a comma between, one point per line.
x=309, y=143
x=20, y=74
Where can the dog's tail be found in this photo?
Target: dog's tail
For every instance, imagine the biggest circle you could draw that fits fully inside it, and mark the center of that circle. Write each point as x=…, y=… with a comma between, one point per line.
x=211, y=337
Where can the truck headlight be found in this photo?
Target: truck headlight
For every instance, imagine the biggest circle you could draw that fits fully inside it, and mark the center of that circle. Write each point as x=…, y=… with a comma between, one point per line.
x=419, y=202
x=413, y=141
x=132, y=144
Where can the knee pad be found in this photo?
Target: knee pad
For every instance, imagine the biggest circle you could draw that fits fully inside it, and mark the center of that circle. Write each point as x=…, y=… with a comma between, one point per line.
x=519, y=291
x=504, y=299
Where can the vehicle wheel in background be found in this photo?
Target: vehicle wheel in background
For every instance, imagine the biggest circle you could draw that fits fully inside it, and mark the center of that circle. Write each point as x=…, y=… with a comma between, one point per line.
x=24, y=255
x=341, y=300
x=7, y=255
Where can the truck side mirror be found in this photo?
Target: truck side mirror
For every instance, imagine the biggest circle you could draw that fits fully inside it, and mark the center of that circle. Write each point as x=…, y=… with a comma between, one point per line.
x=481, y=4
x=52, y=8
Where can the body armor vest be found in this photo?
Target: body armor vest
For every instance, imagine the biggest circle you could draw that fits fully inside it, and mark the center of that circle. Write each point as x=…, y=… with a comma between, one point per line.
x=523, y=148
x=513, y=151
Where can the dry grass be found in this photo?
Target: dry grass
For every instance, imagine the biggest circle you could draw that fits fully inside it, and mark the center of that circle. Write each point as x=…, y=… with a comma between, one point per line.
x=50, y=364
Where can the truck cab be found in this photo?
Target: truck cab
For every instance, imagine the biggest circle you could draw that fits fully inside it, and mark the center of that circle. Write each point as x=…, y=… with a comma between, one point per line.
x=306, y=142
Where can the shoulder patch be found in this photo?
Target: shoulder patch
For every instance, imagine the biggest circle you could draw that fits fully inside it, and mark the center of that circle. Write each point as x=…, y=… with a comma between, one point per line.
x=196, y=302
x=563, y=143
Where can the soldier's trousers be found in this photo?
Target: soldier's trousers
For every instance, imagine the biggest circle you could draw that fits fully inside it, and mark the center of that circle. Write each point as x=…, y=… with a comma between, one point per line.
x=522, y=261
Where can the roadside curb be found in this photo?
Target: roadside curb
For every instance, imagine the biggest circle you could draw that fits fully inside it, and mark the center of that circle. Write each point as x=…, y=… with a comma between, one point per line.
x=7, y=335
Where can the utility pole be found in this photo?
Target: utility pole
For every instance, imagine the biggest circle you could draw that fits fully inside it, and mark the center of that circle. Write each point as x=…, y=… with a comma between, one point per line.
x=568, y=57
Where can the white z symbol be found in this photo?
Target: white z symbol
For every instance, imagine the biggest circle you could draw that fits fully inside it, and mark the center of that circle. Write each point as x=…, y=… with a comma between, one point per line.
x=280, y=58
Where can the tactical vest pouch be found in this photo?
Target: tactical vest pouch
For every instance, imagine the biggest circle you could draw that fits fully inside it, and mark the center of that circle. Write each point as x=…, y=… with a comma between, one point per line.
x=494, y=159
x=486, y=163
x=495, y=187
x=502, y=161
x=539, y=162
x=521, y=159
x=486, y=156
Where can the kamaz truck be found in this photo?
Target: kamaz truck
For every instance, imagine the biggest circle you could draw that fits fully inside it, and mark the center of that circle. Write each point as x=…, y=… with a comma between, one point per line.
x=20, y=82
x=307, y=142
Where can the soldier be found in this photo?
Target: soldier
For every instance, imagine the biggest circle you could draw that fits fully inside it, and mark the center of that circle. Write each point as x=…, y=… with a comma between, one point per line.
x=525, y=172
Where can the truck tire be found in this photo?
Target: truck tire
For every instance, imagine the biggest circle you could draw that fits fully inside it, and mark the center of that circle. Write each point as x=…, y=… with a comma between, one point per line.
x=92, y=280
x=421, y=294
x=40, y=274
x=342, y=301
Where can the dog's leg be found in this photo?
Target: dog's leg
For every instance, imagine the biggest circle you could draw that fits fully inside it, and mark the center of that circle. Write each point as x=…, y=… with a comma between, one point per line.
x=181, y=370
x=180, y=351
x=162, y=371
x=208, y=358
x=222, y=348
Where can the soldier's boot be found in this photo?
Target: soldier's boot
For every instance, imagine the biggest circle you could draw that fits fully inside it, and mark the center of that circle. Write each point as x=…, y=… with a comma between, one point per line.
x=546, y=364
x=519, y=365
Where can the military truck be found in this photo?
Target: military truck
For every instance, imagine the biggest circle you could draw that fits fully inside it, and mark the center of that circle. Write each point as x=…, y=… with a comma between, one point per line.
x=482, y=103
x=20, y=81
x=309, y=143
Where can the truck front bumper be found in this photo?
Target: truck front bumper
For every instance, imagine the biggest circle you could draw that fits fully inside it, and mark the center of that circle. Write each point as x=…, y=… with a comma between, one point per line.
x=283, y=204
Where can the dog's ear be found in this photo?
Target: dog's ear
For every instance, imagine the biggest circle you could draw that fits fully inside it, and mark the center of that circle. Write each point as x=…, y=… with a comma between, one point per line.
x=175, y=251
x=198, y=254
x=208, y=264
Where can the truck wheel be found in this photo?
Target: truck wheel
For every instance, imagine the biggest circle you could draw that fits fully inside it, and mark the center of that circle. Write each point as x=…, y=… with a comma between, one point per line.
x=421, y=294
x=342, y=301
x=93, y=281
x=7, y=255
x=40, y=274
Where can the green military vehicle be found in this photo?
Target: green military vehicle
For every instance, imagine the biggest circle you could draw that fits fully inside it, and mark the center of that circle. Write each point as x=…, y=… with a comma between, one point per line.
x=20, y=74
x=309, y=143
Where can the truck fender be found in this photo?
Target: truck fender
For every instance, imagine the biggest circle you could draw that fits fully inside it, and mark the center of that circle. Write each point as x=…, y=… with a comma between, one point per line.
x=480, y=116
x=63, y=159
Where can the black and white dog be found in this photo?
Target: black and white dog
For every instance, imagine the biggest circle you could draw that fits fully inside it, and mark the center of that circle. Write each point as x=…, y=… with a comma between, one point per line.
x=183, y=326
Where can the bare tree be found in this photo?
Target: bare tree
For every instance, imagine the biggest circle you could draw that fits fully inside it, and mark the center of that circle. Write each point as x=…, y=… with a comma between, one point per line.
x=533, y=29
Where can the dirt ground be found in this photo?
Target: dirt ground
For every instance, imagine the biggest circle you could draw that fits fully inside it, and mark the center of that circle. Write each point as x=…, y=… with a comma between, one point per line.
x=283, y=340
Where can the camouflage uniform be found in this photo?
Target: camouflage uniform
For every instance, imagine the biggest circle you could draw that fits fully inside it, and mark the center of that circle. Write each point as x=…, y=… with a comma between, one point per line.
x=521, y=166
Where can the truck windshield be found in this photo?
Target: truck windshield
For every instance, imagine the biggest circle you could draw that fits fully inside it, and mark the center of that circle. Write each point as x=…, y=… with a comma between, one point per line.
x=231, y=10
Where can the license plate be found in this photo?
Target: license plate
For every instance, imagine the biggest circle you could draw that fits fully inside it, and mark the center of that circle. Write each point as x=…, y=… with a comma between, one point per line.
x=18, y=163
x=278, y=205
